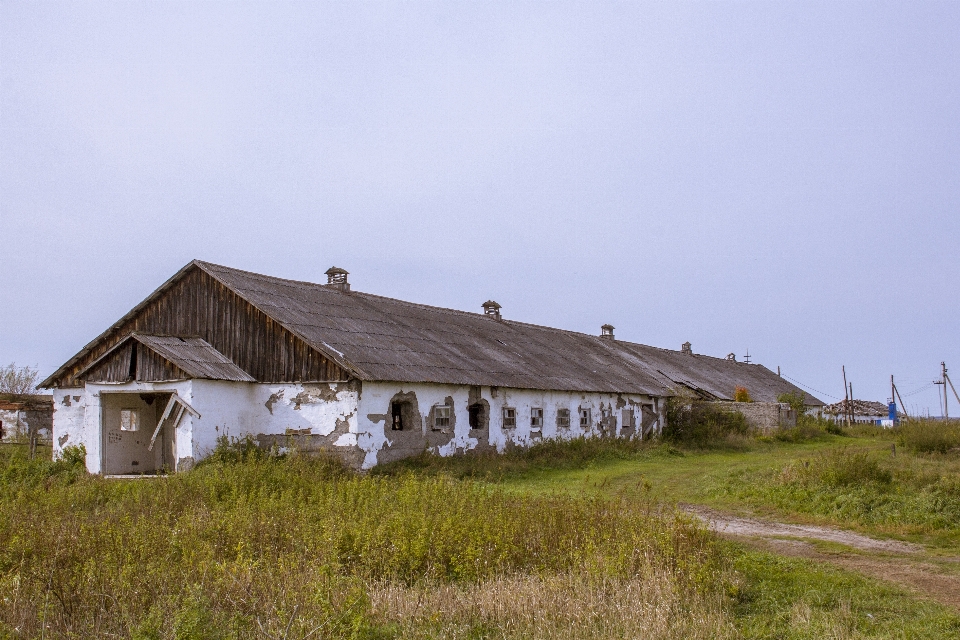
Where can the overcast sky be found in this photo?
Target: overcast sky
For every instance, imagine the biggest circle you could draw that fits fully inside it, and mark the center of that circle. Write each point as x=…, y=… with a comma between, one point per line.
x=782, y=177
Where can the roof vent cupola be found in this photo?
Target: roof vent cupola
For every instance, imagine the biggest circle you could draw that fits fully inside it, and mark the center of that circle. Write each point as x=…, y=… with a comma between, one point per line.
x=337, y=277
x=732, y=357
x=606, y=331
x=686, y=348
x=491, y=309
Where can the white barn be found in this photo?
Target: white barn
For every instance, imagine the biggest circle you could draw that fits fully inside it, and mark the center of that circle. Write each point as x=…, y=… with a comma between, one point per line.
x=217, y=352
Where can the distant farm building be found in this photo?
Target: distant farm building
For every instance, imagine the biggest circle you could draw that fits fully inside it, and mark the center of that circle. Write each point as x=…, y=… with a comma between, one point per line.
x=860, y=412
x=217, y=352
x=25, y=416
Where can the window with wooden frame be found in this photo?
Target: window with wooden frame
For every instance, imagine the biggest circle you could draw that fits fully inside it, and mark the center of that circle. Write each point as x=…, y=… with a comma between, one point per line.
x=509, y=418
x=129, y=420
x=536, y=418
x=627, y=418
x=585, y=418
x=441, y=416
x=563, y=418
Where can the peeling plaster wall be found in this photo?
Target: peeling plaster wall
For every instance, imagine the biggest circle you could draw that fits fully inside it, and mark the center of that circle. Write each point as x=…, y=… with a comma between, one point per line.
x=15, y=425
x=338, y=417
x=308, y=417
x=380, y=443
x=69, y=406
x=305, y=416
x=18, y=422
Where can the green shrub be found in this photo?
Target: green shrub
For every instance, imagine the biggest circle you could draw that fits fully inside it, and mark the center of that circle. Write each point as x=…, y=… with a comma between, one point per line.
x=929, y=436
x=796, y=402
x=844, y=468
x=701, y=423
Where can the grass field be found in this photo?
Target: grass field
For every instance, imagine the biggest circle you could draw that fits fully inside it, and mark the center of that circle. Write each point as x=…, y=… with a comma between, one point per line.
x=571, y=540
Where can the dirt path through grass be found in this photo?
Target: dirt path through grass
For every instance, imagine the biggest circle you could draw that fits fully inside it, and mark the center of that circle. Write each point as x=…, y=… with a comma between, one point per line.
x=750, y=527
x=904, y=564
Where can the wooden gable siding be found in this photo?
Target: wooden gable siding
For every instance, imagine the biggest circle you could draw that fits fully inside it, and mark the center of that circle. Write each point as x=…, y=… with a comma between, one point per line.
x=198, y=305
x=150, y=367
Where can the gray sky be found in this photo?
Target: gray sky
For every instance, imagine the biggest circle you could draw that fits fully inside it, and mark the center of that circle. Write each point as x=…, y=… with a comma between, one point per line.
x=774, y=176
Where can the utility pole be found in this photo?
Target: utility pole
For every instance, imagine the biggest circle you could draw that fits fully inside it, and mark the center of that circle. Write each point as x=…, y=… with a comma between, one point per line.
x=950, y=382
x=846, y=397
x=943, y=381
x=853, y=416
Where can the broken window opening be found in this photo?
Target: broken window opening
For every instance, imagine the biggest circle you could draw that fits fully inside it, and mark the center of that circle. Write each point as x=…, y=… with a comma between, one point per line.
x=396, y=410
x=441, y=416
x=563, y=418
x=536, y=418
x=509, y=418
x=478, y=416
x=129, y=420
x=585, y=418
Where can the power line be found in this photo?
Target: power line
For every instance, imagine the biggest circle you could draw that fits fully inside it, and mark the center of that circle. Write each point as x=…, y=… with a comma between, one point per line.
x=925, y=387
x=810, y=388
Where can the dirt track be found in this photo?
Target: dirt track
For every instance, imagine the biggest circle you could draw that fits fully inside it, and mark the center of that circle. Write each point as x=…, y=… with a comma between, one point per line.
x=902, y=563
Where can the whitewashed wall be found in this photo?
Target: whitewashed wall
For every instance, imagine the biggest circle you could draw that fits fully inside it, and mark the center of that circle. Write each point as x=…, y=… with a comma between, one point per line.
x=339, y=417
x=238, y=409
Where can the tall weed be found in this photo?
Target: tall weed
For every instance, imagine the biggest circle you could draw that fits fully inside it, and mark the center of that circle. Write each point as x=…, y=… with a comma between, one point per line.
x=290, y=547
x=701, y=424
x=929, y=436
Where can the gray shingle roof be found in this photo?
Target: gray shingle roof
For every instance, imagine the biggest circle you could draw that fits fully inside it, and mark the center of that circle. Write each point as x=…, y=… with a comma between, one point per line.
x=194, y=356
x=386, y=339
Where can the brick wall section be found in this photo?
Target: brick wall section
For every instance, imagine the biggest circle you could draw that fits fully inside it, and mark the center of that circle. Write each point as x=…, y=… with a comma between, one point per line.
x=764, y=416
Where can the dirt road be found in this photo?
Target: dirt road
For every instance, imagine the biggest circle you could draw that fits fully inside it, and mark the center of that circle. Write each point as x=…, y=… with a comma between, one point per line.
x=905, y=564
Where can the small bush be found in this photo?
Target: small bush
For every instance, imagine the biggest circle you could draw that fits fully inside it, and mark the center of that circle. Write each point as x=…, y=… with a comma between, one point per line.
x=844, y=468
x=238, y=450
x=803, y=432
x=740, y=394
x=796, y=401
x=929, y=436
x=701, y=423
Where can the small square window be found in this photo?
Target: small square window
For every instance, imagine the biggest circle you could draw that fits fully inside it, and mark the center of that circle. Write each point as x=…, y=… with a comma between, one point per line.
x=585, y=418
x=509, y=418
x=129, y=420
x=563, y=418
x=536, y=418
x=441, y=416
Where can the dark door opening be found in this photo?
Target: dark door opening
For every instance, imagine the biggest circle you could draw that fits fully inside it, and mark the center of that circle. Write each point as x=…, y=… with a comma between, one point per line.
x=475, y=412
x=396, y=410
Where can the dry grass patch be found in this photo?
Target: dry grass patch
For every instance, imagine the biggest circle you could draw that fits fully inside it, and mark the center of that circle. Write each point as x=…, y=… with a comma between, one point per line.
x=567, y=605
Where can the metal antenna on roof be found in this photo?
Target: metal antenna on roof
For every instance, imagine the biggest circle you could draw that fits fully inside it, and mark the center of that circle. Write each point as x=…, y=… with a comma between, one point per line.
x=746, y=358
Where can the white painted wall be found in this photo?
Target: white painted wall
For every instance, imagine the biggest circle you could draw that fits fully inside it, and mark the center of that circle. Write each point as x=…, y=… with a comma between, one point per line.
x=14, y=424
x=69, y=406
x=237, y=409
x=233, y=409
x=351, y=418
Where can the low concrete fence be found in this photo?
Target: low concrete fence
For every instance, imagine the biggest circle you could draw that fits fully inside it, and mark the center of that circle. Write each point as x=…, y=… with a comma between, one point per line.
x=764, y=416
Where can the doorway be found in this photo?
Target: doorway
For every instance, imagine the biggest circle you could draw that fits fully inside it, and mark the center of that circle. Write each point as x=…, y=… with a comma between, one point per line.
x=131, y=444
